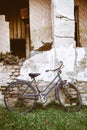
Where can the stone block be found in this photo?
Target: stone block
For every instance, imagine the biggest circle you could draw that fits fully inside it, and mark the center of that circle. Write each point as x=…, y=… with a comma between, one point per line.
x=64, y=42
x=64, y=28
x=16, y=67
x=16, y=74
x=12, y=77
x=65, y=8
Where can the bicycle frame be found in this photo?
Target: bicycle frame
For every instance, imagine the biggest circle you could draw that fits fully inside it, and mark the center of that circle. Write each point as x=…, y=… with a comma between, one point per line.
x=39, y=92
x=44, y=92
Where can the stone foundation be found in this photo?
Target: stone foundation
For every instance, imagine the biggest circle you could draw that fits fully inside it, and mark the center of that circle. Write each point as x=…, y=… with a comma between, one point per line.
x=82, y=87
x=8, y=73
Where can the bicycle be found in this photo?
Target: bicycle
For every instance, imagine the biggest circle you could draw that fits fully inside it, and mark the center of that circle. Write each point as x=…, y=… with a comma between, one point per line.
x=21, y=96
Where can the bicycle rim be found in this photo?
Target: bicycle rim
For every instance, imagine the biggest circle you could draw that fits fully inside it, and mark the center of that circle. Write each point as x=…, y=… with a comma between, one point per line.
x=13, y=100
x=69, y=97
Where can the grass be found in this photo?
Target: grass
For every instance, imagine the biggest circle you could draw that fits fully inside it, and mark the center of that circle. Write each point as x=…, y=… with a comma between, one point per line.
x=50, y=118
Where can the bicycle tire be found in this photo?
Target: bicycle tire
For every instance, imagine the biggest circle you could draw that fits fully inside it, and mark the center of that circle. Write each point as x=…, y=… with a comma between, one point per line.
x=69, y=97
x=12, y=100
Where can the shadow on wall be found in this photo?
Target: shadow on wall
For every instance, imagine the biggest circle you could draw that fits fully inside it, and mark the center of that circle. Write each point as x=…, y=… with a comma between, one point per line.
x=45, y=47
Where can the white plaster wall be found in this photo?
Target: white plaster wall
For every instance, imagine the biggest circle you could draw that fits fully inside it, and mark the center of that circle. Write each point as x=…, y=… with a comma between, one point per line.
x=49, y=60
x=40, y=21
x=38, y=64
x=4, y=35
x=75, y=64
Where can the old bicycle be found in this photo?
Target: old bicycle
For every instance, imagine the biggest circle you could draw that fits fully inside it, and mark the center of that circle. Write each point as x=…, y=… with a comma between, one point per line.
x=21, y=96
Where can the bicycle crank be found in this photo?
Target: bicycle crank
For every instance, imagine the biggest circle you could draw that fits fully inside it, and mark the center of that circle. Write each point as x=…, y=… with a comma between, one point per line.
x=43, y=98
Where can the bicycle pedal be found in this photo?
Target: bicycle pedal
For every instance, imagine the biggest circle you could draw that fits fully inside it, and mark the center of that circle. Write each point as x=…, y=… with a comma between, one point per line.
x=43, y=98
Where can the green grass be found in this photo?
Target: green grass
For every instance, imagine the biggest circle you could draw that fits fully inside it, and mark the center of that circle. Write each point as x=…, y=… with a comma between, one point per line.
x=50, y=118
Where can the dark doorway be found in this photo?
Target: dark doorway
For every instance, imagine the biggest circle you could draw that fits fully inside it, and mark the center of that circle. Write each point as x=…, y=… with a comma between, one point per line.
x=16, y=13
x=18, y=47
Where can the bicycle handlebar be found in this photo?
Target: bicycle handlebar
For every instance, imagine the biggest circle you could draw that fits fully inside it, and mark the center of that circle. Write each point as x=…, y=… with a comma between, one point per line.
x=61, y=66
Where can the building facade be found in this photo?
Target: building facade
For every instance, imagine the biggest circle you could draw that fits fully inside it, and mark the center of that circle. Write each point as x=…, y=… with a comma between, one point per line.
x=37, y=23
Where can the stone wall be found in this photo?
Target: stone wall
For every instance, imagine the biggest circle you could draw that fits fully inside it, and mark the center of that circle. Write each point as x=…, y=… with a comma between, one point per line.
x=82, y=87
x=74, y=59
x=76, y=74
x=75, y=67
x=8, y=73
x=81, y=72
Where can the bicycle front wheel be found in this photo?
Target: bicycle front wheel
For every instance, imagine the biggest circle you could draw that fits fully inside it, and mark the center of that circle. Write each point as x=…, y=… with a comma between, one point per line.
x=15, y=100
x=69, y=97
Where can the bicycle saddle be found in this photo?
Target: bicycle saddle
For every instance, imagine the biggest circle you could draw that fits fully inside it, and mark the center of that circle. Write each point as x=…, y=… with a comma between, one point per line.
x=33, y=75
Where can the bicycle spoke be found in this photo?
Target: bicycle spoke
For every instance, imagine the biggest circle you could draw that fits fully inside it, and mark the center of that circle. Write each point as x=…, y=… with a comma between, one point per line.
x=70, y=98
x=14, y=99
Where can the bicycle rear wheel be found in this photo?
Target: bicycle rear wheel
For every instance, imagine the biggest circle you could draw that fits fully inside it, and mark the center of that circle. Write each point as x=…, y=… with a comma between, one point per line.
x=69, y=97
x=15, y=100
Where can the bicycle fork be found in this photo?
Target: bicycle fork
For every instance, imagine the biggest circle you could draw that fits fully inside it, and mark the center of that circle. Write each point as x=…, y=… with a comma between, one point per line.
x=60, y=83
